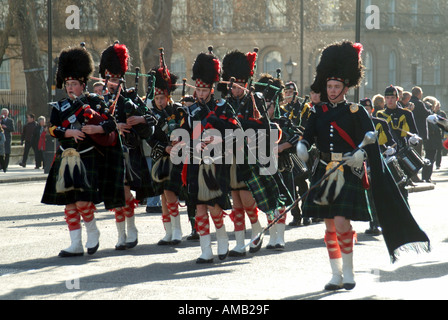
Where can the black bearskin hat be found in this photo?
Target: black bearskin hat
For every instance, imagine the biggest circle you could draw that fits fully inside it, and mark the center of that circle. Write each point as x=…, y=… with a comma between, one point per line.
x=165, y=81
x=74, y=64
x=239, y=66
x=115, y=59
x=206, y=70
x=273, y=91
x=342, y=62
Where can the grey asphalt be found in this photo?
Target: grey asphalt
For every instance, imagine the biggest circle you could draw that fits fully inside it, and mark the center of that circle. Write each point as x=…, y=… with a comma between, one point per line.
x=32, y=234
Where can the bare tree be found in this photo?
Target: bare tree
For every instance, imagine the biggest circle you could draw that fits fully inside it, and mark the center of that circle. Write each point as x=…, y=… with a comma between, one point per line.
x=25, y=27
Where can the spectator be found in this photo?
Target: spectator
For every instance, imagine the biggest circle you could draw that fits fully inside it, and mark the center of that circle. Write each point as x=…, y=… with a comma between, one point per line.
x=8, y=128
x=27, y=137
x=379, y=104
x=421, y=113
x=406, y=98
x=98, y=88
x=2, y=150
x=38, y=141
x=434, y=141
x=442, y=150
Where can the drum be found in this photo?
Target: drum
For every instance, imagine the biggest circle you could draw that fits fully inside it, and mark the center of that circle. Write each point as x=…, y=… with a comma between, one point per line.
x=397, y=173
x=299, y=169
x=410, y=161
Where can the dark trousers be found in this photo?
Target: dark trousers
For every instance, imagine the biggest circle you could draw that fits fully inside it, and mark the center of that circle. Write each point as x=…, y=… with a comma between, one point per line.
x=39, y=155
x=2, y=163
x=430, y=154
x=26, y=151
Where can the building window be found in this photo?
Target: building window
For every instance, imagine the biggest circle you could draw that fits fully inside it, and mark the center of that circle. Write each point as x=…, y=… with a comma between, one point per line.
x=393, y=68
x=329, y=13
x=368, y=79
x=272, y=62
x=4, y=10
x=437, y=70
x=178, y=65
x=392, y=9
x=179, y=15
x=414, y=13
x=222, y=14
x=276, y=14
x=5, y=74
x=89, y=16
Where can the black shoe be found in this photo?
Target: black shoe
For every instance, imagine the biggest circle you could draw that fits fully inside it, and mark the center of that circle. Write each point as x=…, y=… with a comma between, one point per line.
x=203, y=261
x=65, y=254
x=93, y=250
x=120, y=247
x=333, y=287
x=130, y=245
x=193, y=236
x=374, y=231
x=306, y=221
x=349, y=286
x=295, y=223
x=257, y=247
x=22, y=164
x=164, y=243
x=36, y=168
x=237, y=254
x=223, y=256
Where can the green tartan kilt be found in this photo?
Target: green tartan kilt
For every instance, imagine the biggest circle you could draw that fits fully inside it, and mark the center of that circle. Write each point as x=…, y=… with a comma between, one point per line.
x=351, y=203
x=111, y=177
x=90, y=160
x=268, y=191
x=138, y=177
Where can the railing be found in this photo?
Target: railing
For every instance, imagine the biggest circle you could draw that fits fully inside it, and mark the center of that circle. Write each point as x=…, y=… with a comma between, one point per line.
x=15, y=102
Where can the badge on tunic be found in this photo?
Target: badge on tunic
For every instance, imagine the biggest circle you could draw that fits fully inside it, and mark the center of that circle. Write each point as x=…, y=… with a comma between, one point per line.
x=354, y=108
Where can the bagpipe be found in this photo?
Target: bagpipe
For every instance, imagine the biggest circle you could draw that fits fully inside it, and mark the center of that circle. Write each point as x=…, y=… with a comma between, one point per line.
x=93, y=117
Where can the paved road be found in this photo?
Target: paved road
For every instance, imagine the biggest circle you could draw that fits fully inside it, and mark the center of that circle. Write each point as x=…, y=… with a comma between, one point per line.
x=32, y=234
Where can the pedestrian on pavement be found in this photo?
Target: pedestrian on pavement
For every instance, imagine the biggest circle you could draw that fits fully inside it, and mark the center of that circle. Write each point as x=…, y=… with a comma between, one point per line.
x=38, y=141
x=8, y=128
x=27, y=137
x=2, y=150
x=434, y=141
x=421, y=113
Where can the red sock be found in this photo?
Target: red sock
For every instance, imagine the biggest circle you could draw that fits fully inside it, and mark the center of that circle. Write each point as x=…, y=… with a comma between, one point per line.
x=202, y=225
x=238, y=218
x=73, y=219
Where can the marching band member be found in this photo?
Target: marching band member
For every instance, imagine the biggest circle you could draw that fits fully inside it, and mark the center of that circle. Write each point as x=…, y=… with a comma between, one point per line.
x=241, y=66
x=289, y=136
x=134, y=123
x=82, y=174
x=338, y=128
x=199, y=175
x=166, y=176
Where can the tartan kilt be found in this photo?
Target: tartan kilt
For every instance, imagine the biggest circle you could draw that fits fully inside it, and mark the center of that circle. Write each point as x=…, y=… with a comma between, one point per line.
x=90, y=160
x=174, y=183
x=351, y=203
x=222, y=176
x=268, y=191
x=111, y=176
x=138, y=178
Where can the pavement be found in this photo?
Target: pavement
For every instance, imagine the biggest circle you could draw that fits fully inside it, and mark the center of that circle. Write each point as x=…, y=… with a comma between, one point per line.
x=17, y=173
